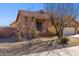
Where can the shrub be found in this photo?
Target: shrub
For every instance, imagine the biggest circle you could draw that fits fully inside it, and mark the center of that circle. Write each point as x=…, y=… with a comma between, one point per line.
x=18, y=37
x=64, y=40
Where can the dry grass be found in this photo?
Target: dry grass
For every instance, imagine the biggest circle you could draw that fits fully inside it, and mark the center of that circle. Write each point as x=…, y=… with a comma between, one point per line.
x=25, y=47
x=34, y=46
x=73, y=41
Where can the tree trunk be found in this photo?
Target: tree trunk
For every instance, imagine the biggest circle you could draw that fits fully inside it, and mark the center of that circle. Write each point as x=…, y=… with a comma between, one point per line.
x=60, y=34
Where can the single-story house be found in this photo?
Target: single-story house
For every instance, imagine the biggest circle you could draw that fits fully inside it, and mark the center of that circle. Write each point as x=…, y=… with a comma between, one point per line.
x=29, y=22
x=40, y=21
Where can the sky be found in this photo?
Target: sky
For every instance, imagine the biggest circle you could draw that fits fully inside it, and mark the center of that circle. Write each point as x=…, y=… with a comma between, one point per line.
x=9, y=11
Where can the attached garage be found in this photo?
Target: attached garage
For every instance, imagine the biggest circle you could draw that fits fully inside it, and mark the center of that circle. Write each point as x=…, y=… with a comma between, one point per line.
x=69, y=31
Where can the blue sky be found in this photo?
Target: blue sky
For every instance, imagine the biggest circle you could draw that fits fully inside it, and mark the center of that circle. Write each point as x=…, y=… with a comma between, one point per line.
x=8, y=11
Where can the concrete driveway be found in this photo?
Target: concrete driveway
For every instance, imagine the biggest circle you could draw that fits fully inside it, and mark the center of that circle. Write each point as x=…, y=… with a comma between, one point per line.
x=76, y=36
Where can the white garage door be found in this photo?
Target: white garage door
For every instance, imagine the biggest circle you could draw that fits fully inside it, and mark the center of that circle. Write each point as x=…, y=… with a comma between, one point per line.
x=68, y=31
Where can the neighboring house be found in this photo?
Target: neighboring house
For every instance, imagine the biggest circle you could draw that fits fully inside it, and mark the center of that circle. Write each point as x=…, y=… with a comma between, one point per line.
x=7, y=32
x=40, y=21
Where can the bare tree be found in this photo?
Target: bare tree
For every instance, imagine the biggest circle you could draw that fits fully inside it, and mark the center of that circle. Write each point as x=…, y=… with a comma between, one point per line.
x=59, y=11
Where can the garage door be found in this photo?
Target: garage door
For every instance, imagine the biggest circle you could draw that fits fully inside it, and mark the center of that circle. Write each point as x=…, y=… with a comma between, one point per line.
x=69, y=31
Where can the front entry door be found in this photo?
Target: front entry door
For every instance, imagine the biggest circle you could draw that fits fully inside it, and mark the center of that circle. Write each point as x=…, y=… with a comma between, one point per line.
x=39, y=26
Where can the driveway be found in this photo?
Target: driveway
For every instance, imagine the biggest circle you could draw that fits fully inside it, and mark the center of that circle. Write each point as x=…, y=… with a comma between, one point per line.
x=71, y=51
x=75, y=36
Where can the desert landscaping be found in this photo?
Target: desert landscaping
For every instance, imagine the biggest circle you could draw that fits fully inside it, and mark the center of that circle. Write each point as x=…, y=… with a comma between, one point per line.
x=40, y=47
x=53, y=31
